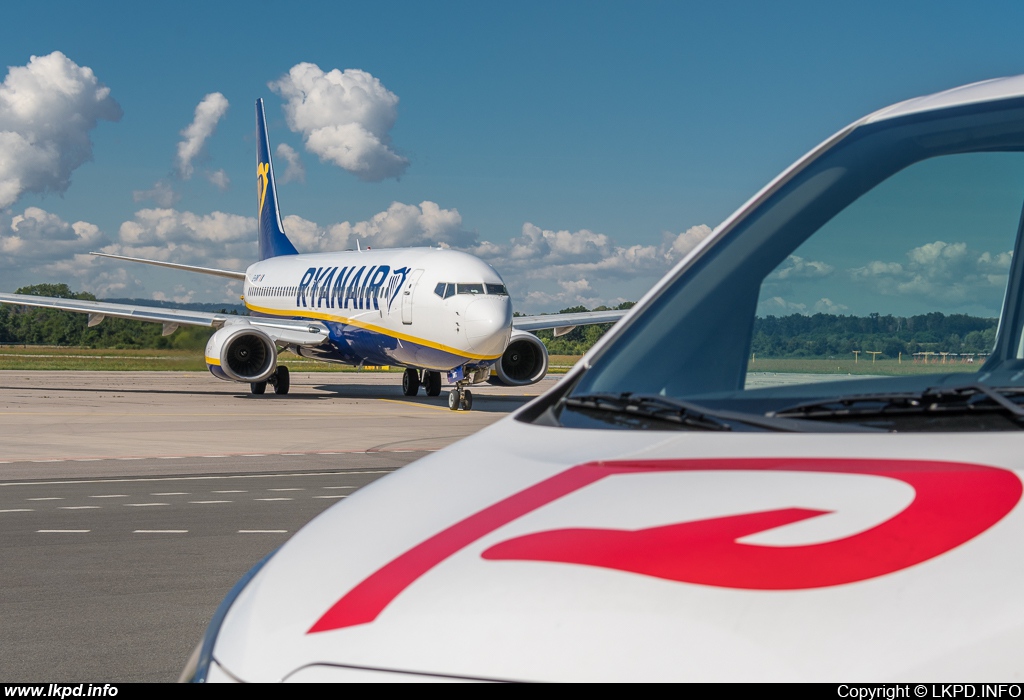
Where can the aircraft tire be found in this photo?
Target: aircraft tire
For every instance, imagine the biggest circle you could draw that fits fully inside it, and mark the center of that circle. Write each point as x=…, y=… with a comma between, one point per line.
x=433, y=382
x=453, y=399
x=467, y=400
x=284, y=381
x=258, y=387
x=410, y=382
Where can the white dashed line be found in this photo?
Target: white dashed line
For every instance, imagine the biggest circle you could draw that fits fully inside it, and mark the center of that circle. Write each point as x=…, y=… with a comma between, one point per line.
x=79, y=507
x=211, y=501
x=143, y=505
x=87, y=459
x=338, y=487
x=42, y=461
x=229, y=492
x=172, y=493
x=254, y=455
x=254, y=532
x=170, y=532
x=274, y=499
x=48, y=498
x=340, y=495
x=293, y=454
x=212, y=456
x=18, y=510
x=63, y=530
x=111, y=495
x=127, y=459
x=178, y=457
x=292, y=489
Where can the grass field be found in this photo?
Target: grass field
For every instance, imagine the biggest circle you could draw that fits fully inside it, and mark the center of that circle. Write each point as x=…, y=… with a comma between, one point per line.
x=20, y=357
x=864, y=366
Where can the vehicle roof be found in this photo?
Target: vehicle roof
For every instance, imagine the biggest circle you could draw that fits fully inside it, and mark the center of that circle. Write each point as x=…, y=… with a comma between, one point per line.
x=974, y=93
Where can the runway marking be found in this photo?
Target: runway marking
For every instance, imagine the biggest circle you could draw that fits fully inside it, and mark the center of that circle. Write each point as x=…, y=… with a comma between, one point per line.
x=236, y=491
x=143, y=505
x=274, y=499
x=39, y=461
x=291, y=489
x=79, y=507
x=424, y=405
x=214, y=456
x=220, y=456
x=292, y=454
x=339, y=495
x=254, y=455
x=211, y=501
x=63, y=530
x=172, y=493
x=127, y=459
x=338, y=487
x=168, y=532
x=47, y=498
x=341, y=472
x=18, y=510
x=85, y=459
x=173, y=457
x=111, y=495
x=255, y=532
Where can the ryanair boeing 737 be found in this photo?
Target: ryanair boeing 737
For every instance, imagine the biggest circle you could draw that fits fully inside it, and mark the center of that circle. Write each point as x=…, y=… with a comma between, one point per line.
x=433, y=311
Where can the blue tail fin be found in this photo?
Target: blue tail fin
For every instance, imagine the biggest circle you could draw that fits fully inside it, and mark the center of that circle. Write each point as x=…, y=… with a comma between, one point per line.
x=273, y=241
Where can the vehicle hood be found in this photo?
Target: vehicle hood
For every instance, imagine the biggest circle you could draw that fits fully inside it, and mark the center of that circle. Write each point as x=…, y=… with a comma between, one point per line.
x=552, y=554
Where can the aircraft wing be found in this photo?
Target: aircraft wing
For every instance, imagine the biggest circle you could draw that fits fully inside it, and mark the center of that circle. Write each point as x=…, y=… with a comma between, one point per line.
x=563, y=323
x=285, y=330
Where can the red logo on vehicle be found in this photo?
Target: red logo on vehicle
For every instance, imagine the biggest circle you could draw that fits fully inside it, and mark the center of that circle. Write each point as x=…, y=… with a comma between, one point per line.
x=954, y=503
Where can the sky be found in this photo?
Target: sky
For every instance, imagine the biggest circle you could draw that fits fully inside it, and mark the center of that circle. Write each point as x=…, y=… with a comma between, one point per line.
x=579, y=147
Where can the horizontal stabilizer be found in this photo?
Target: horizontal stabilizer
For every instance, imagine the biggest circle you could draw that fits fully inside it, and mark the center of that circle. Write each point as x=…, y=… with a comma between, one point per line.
x=230, y=274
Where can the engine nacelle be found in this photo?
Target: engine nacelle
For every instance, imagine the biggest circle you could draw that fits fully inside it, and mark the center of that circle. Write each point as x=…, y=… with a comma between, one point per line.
x=241, y=353
x=525, y=361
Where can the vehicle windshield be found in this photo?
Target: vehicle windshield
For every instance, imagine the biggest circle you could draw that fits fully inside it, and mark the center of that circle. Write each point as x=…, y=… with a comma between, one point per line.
x=885, y=267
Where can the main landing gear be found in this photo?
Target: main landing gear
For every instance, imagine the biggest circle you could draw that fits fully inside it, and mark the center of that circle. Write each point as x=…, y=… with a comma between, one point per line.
x=412, y=380
x=280, y=380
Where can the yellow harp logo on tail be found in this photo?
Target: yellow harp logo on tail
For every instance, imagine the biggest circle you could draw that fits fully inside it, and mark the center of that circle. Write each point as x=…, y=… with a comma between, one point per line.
x=262, y=182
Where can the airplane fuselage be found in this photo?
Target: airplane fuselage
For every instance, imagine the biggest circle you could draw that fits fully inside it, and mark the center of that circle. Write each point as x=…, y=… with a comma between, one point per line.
x=426, y=308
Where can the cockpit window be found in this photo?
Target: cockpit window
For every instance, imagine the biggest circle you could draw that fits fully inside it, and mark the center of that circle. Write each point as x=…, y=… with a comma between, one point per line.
x=469, y=288
x=496, y=289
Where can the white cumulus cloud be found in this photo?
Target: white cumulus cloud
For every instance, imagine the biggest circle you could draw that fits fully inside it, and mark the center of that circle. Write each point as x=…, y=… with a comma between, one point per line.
x=208, y=112
x=345, y=118
x=295, y=170
x=47, y=110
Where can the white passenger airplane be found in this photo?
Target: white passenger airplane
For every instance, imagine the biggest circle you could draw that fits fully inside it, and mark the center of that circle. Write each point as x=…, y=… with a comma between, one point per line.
x=429, y=310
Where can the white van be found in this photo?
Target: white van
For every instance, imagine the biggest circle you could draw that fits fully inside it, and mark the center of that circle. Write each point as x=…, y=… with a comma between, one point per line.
x=682, y=507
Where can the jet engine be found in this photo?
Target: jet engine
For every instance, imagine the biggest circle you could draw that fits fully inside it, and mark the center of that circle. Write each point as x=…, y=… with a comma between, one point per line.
x=525, y=361
x=241, y=353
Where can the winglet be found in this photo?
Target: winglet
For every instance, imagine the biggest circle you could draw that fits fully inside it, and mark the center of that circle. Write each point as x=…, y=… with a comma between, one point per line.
x=273, y=241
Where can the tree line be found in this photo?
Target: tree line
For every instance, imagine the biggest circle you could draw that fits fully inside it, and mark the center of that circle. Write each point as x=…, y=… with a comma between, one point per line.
x=794, y=336
x=828, y=335
x=27, y=325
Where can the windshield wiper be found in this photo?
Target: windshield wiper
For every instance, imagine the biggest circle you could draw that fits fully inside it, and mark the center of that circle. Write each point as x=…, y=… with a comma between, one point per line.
x=954, y=399
x=693, y=415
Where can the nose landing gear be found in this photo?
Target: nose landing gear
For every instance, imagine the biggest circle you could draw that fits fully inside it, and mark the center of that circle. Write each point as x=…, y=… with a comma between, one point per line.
x=460, y=398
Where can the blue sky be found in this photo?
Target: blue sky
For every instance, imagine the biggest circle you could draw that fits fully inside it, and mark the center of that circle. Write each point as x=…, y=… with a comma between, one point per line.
x=579, y=139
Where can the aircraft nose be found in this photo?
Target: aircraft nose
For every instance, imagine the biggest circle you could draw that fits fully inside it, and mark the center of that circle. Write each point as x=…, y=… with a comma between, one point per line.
x=488, y=323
